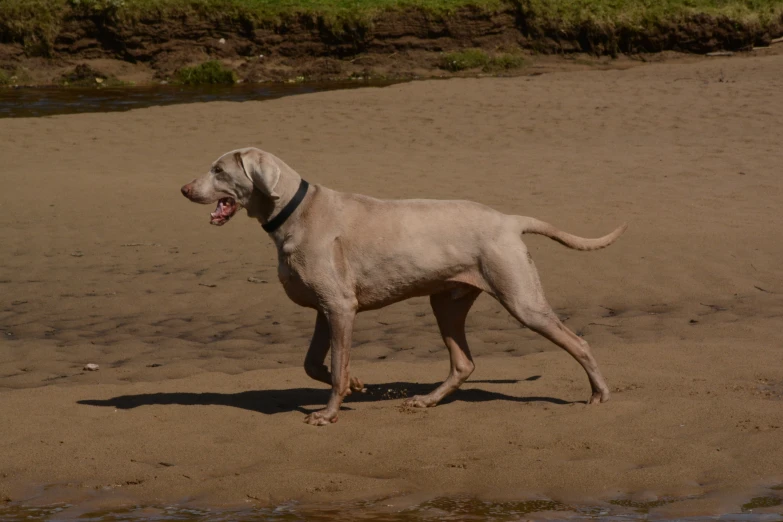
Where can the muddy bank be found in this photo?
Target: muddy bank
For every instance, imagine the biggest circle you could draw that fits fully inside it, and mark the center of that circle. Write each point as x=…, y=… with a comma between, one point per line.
x=393, y=44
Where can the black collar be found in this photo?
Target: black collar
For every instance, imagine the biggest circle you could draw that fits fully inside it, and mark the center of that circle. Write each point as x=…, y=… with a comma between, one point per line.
x=278, y=220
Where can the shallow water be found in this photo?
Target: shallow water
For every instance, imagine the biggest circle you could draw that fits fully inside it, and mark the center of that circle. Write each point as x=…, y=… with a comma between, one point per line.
x=436, y=509
x=48, y=101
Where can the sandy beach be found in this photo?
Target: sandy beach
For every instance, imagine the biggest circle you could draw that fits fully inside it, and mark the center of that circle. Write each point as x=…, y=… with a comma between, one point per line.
x=201, y=395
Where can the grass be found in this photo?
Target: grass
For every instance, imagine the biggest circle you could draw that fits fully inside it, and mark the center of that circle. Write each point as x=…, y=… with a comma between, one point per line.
x=211, y=72
x=642, y=13
x=464, y=60
x=332, y=13
x=18, y=76
x=504, y=62
x=36, y=23
x=84, y=76
x=474, y=58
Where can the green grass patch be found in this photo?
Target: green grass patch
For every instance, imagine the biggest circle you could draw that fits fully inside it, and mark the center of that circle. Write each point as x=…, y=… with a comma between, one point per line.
x=504, y=62
x=640, y=15
x=276, y=9
x=464, y=60
x=211, y=72
x=18, y=76
x=85, y=76
x=566, y=12
x=476, y=58
x=34, y=23
x=336, y=15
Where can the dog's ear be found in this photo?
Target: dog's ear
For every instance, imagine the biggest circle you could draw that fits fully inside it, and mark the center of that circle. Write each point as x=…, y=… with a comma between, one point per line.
x=261, y=169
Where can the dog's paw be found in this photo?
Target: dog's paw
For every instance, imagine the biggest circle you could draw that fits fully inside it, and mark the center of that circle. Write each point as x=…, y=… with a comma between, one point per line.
x=357, y=385
x=599, y=397
x=418, y=401
x=320, y=418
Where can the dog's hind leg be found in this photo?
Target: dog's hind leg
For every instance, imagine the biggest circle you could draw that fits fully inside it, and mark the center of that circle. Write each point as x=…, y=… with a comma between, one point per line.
x=451, y=314
x=512, y=276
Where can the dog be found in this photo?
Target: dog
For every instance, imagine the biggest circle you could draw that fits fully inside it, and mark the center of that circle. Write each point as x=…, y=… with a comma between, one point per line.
x=342, y=254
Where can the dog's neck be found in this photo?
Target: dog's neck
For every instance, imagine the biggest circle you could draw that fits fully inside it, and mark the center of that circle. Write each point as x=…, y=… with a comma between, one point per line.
x=286, y=189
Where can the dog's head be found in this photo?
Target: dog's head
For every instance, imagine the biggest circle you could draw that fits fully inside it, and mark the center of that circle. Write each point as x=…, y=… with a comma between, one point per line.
x=238, y=179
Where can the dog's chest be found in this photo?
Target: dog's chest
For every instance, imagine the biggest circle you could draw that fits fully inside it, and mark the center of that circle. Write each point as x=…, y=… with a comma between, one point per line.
x=295, y=287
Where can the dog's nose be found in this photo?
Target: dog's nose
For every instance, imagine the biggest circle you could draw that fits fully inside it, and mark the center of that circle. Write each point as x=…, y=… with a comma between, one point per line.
x=186, y=190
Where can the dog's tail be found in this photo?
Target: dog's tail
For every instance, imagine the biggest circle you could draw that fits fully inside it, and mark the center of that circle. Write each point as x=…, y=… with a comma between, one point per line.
x=534, y=226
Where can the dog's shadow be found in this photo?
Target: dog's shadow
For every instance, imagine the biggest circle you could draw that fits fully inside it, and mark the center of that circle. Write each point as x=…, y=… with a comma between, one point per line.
x=270, y=402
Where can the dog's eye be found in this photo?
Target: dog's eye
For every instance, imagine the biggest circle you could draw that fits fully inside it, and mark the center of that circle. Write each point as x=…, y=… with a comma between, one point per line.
x=217, y=170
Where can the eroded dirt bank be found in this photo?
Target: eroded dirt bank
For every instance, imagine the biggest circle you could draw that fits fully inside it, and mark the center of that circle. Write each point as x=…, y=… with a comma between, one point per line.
x=397, y=44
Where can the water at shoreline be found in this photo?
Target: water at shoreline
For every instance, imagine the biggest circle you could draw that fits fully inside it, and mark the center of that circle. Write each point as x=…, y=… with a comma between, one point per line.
x=49, y=101
x=438, y=508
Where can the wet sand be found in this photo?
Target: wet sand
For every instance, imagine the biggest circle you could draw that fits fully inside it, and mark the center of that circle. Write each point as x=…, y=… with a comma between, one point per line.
x=200, y=395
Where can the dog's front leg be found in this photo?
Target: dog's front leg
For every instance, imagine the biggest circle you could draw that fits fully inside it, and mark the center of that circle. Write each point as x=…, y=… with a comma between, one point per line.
x=341, y=321
x=316, y=355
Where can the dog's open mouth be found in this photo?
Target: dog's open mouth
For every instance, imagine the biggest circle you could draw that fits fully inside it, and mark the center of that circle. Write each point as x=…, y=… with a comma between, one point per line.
x=226, y=208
